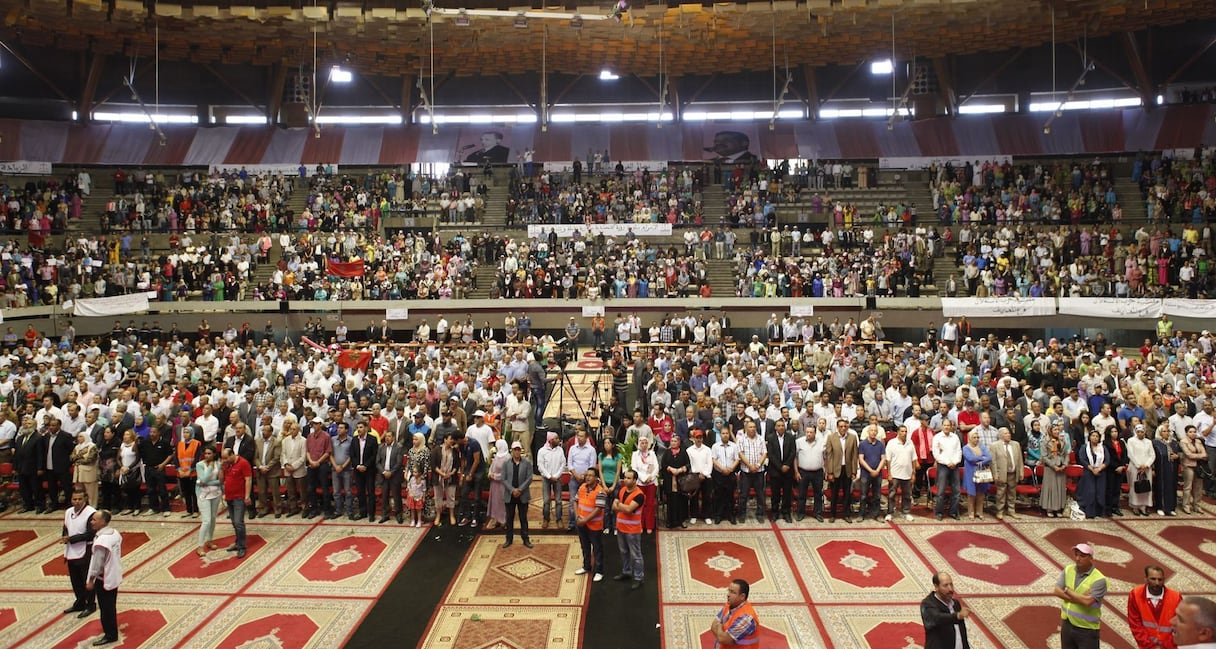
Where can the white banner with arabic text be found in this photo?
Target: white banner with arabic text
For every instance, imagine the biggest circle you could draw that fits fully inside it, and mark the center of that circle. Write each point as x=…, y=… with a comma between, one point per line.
x=1111, y=307
x=609, y=230
x=998, y=307
x=109, y=306
x=25, y=168
x=1183, y=308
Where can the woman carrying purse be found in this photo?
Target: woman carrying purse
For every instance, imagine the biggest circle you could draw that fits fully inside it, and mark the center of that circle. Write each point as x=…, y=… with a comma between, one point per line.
x=1140, y=458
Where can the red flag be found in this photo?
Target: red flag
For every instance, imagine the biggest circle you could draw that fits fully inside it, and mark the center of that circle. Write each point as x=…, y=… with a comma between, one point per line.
x=353, y=359
x=345, y=268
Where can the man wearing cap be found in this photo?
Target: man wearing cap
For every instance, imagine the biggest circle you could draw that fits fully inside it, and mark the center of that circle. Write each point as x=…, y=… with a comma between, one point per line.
x=1150, y=611
x=1081, y=588
x=517, y=476
x=551, y=461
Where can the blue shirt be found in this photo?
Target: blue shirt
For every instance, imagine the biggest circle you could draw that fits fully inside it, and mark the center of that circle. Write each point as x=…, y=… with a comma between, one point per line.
x=872, y=451
x=581, y=458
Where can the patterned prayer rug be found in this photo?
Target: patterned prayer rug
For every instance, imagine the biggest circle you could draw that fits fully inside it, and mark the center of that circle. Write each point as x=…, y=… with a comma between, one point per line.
x=248, y=622
x=335, y=562
x=983, y=558
x=46, y=570
x=857, y=564
x=515, y=627
x=698, y=566
x=519, y=576
x=884, y=627
x=179, y=569
x=781, y=627
x=1034, y=623
x=155, y=620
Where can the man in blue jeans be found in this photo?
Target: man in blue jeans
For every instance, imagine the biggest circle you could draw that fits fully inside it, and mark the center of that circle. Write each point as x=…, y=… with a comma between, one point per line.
x=948, y=454
x=238, y=488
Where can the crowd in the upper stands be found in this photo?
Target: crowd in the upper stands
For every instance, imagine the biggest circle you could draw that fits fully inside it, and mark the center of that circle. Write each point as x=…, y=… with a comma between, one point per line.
x=671, y=196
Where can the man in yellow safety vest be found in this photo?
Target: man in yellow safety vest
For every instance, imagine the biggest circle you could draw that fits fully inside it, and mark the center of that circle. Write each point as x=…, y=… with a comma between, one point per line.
x=1081, y=588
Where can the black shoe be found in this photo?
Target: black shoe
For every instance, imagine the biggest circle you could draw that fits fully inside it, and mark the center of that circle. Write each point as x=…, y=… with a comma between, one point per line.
x=621, y=578
x=330, y=515
x=527, y=544
x=74, y=609
x=954, y=516
x=400, y=520
x=848, y=519
x=819, y=517
x=252, y=515
x=87, y=612
x=104, y=641
x=937, y=516
x=506, y=545
x=636, y=585
x=278, y=515
x=787, y=518
x=733, y=522
x=800, y=517
x=240, y=554
x=231, y=548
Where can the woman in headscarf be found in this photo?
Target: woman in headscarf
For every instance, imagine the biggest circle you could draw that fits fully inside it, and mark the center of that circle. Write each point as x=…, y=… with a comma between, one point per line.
x=497, y=505
x=1054, y=453
x=1116, y=454
x=1091, y=490
x=84, y=465
x=675, y=464
x=445, y=461
x=107, y=469
x=646, y=463
x=1140, y=459
x=131, y=472
x=1165, y=475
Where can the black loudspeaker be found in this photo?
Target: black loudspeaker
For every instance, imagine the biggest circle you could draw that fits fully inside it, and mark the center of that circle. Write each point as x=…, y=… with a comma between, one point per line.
x=871, y=303
x=282, y=306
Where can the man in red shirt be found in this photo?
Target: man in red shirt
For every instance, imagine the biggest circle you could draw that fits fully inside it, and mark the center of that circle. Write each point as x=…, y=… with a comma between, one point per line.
x=238, y=487
x=968, y=418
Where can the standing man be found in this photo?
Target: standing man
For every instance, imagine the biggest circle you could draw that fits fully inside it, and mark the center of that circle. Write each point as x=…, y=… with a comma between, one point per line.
x=238, y=490
x=551, y=461
x=737, y=622
x=517, y=475
x=782, y=455
x=581, y=458
x=106, y=566
x=473, y=474
x=591, y=502
x=1007, y=469
x=1150, y=611
x=948, y=454
x=841, y=466
x=1195, y=624
x=268, y=453
x=944, y=617
x=77, y=540
x=901, y=463
x=339, y=462
x=872, y=459
x=628, y=508
x=389, y=477
x=753, y=455
x=363, y=456
x=293, y=454
x=1080, y=588
x=536, y=386
x=725, y=454
x=320, y=448
x=808, y=470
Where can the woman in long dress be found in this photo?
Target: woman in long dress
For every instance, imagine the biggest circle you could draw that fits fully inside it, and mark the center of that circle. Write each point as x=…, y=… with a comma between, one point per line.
x=975, y=457
x=1140, y=458
x=1116, y=454
x=1091, y=490
x=1054, y=456
x=1193, y=453
x=675, y=464
x=445, y=462
x=646, y=463
x=497, y=506
x=1165, y=484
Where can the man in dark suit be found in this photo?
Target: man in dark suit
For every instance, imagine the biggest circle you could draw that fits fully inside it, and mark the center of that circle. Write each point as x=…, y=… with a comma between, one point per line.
x=363, y=456
x=944, y=617
x=389, y=476
x=516, y=477
x=491, y=150
x=27, y=465
x=781, y=458
x=241, y=443
x=54, y=450
x=731, y=147
x=381, y=333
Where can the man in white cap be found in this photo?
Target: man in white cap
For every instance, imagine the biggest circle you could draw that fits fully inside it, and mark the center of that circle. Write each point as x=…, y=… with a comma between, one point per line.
x=480, y=430
x=1081, y=588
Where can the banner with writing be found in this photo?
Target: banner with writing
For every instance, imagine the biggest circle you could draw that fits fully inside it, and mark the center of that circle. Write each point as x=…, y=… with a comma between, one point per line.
x=609, y=230
x=998, y=307
x=25, y=168
x=1189, y=308
x=1111, y=307
x=110, y=306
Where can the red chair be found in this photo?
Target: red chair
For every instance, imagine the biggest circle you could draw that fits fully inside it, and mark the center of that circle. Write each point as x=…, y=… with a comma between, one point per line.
x=1073, y=473
x=1029, y=487
x=172, y=484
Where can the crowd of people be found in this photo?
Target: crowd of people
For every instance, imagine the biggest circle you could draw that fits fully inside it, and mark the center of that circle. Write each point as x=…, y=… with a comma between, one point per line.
x=1177, y=190
x=813, y=421
x=671, y=195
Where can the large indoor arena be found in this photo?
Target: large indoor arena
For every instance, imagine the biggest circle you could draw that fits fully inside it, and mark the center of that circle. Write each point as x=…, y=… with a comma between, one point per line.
x=461, y=324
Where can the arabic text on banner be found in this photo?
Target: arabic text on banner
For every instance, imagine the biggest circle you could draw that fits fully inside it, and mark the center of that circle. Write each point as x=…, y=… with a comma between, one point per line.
x=592, y=311
x=1183, y=308
x=110, y=306
x=396, y=314
x=609, y=230
x=25, y=168
x=997, y=307
x=1111, y=307
x=802, y=310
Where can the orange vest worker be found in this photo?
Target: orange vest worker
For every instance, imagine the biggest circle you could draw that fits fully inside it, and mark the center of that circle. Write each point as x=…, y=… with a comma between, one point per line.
x=1151, y=626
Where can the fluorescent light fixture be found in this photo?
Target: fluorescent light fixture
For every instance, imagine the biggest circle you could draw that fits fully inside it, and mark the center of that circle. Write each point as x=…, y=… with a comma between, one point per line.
x=244, y=119
x=338, y=75
x=75, y=116
x=608, y=75
x=525, y=118
x=358, y=119
x=1085, y=104
x=834, y=113
x=695, y=116
x=718, y=115
x=1160, y=99
x=789, y=114
x=141, y=118
x=481, y=119
x=981, y=109
x=562, y=118
x=881, y=67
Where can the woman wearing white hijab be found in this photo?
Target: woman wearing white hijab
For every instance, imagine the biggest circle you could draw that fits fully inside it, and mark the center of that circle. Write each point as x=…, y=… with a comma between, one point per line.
x=84, y=460
x=497, y=504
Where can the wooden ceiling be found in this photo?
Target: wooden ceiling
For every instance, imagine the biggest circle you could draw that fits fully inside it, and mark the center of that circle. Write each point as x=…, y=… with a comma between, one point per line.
x=391, y=38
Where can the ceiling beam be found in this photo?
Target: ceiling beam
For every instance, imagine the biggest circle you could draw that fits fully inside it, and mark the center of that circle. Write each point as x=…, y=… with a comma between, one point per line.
x=1104, y=67
x=702, y=88
x=673, y=98
x=1144, y=81
x=408, y=81
x=1009, y=60
x=649, y=86
x=506, y=81
x=841, y=84
x=258, y=106
x=84, y=107
x=945, y=84
x=565, y=91
x=1189, y=62
x=35, y=71
x=810, y=76
x=278, y=85
x=142, y=68
x=367, y=78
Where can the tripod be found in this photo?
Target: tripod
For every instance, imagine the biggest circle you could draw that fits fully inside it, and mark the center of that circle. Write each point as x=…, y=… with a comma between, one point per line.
x=563, y=384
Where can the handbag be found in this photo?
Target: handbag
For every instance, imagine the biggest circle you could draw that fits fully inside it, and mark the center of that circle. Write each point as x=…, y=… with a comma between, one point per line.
x=1142, y=485
x=690, y=482
x=982, y=476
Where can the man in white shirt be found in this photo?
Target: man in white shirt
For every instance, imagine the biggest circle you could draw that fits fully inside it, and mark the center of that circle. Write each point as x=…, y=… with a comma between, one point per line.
x=725, y=457
x=105, y=574
x=901, y=463
x=1205, y=424
x=948, y=455
x=808, y=468
x=210, y=425
x=481, y=431
x=700, y=462
x=551, y=462
x=77, y=551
